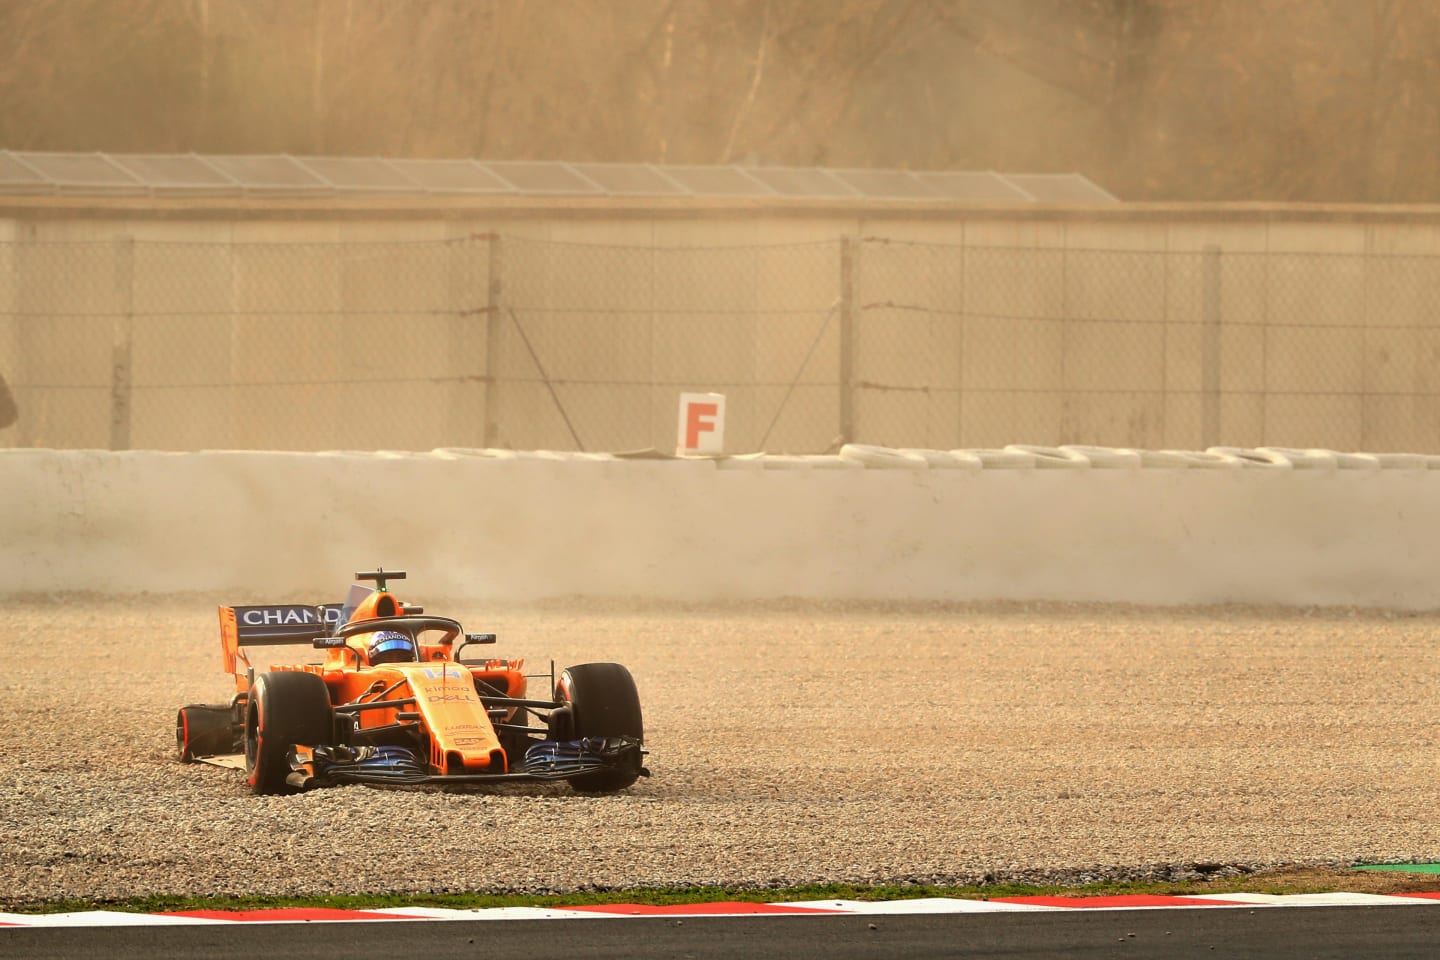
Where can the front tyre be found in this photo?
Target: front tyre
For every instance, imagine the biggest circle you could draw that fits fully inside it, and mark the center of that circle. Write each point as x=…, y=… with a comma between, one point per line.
x=285, y=707
x=603, y=702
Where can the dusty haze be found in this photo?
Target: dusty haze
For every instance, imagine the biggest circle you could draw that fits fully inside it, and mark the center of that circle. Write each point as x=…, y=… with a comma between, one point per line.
x=1155, y=99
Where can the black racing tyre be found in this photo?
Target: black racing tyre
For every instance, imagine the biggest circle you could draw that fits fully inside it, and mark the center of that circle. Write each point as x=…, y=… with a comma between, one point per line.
x=285, y=707
x=204, y=730
x=604, y=703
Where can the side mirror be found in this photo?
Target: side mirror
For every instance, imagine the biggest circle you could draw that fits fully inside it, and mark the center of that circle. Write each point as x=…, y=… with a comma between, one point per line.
x=480, y=638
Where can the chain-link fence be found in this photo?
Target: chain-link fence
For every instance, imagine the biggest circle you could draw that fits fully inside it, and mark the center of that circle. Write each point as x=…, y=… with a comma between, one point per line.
x=493, y=341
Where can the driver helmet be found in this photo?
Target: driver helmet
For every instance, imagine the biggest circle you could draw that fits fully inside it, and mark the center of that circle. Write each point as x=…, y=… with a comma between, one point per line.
x=389, y=646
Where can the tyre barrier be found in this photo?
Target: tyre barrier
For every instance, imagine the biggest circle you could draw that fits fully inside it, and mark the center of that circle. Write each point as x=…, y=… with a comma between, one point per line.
x=1001, y=459
x=1053, y=458
x=943, y=459
x=1107, y=458
x=1021, y=456
x=883, y=458
x=852, y=455
x=1017, y=456
x=495, y=453
x=1264, y=457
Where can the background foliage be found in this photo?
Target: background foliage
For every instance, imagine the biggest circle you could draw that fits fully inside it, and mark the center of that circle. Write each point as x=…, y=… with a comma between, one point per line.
x=1302, y=100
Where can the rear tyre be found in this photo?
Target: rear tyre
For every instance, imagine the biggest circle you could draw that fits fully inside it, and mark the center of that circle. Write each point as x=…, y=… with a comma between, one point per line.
x=603, y=702
x=204, y=730
x=285, y=707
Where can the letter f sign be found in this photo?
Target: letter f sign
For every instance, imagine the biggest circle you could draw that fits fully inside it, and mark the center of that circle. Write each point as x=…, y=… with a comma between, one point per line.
x=702, y=423
x=699, y=418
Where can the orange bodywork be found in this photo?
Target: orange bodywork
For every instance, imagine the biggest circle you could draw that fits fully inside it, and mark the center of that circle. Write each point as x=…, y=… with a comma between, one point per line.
x=435, y=691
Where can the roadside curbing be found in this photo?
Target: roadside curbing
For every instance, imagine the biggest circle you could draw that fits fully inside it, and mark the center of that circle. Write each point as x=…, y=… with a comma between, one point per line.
x=934, y=905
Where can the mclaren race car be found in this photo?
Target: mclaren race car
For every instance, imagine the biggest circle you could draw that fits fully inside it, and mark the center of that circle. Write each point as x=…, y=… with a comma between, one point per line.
x=395, y=701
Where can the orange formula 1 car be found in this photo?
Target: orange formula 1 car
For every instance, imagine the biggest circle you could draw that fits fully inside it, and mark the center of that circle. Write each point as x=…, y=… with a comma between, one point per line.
x=393, y=702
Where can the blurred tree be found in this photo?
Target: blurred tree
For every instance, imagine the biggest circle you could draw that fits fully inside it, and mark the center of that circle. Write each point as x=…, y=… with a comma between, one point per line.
x=1156, y=99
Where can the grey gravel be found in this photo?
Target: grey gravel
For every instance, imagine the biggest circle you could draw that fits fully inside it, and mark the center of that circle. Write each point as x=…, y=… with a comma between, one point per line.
x=791, y=743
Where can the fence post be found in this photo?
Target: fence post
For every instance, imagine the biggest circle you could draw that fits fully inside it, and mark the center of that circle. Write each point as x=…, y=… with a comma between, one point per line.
x=847, y=339
x=122, y=344
x=21, y=361
x=242, y=426
x=465, y=409
x=494, y=316
x=1210, y=311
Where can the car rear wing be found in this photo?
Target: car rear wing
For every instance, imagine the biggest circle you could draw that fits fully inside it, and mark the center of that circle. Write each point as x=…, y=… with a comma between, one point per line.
x=274, y=624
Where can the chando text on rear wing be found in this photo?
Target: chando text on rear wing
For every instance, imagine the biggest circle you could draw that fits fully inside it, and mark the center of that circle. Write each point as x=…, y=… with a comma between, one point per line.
x=394, y=701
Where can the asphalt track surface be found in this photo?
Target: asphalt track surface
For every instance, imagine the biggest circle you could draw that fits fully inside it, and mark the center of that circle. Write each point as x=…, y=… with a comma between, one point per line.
x=1277, y=933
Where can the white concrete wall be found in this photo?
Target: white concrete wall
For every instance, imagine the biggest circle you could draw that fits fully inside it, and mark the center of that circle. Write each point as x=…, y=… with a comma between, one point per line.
x=281, y=526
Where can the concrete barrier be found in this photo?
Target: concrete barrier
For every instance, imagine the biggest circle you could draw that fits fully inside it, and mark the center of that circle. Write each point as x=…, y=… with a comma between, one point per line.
x=490, y=526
